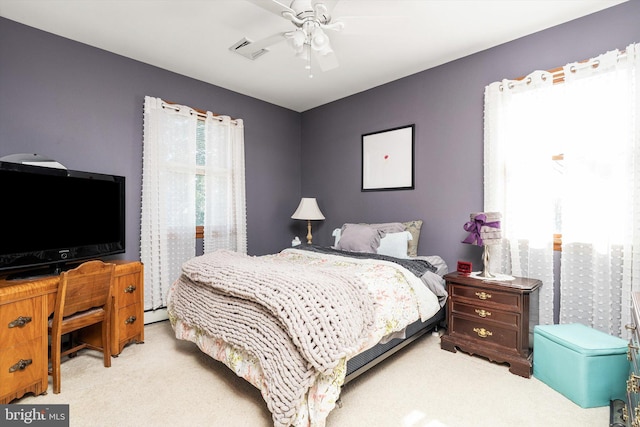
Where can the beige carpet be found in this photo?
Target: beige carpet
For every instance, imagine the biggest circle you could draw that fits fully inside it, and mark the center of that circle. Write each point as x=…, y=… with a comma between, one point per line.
x=166, y=382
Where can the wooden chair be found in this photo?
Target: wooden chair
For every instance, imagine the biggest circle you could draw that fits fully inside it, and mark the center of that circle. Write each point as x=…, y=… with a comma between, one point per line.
x=83, y=299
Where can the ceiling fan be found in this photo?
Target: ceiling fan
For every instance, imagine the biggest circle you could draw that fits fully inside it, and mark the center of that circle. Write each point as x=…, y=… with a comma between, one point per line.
x=308, y=38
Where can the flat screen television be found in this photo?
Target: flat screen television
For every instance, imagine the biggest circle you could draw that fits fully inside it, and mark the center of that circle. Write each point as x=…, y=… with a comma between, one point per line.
x=50, y=217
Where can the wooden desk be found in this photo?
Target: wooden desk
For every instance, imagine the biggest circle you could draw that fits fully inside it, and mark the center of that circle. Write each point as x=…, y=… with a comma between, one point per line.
x=25, y=306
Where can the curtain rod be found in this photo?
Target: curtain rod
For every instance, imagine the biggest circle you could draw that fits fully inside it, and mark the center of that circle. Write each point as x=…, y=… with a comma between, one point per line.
x=558, y=72
x=194, y=111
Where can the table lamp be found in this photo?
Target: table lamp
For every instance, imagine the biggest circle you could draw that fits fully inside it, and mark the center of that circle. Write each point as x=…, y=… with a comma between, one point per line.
x=484, y=230
x=308, y=210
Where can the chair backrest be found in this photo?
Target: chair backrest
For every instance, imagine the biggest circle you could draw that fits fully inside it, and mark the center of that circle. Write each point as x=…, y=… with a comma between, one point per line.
x=84, y=287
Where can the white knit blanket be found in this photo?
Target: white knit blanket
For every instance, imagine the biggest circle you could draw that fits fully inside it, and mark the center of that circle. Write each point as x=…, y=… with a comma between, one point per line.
x=298, y=323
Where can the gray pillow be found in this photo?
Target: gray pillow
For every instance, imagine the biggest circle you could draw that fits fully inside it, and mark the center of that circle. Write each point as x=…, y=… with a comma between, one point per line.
x=359, y=238
x=388, y=227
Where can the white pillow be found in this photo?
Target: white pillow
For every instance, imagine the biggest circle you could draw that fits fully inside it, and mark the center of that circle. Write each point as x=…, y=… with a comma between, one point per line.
x=395, y=244
x=336, y=233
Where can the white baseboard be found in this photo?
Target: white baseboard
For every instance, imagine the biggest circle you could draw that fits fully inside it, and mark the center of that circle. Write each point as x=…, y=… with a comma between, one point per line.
x=155, y=316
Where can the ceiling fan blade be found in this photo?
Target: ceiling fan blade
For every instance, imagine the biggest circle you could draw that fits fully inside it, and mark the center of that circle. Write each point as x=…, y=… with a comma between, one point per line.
x=252, y=49
x=273, y=6
x=330, y=4
x=327, y=62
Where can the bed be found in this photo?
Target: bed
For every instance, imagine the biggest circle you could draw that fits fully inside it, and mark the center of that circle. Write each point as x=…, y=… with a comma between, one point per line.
x=301, y=323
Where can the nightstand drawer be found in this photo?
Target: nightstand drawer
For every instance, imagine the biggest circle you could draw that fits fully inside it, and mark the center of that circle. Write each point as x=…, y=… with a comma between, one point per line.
x=508, y=300
x=485, y=332
x=483, y=312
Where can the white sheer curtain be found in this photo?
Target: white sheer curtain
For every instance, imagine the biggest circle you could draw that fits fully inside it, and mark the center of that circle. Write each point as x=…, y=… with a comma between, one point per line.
x=225, y=224
x=176, y=157
x=600, y=227
x=565, y=155
x=168, y=221
x=517, y=181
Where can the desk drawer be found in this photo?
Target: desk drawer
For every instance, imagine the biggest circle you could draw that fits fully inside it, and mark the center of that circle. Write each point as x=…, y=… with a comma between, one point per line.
x=20, y=321
x=21, y=366
x=130, y=322
x=128, y=289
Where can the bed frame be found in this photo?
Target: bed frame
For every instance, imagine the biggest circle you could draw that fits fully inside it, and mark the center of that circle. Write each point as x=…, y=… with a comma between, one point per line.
x=366, y=360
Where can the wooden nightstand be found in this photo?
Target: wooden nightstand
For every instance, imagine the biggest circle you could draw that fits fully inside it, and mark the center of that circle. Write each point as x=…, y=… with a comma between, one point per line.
x=492, y=319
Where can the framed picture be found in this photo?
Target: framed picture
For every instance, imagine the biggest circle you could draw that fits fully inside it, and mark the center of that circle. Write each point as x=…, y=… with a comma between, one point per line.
x=388, y=160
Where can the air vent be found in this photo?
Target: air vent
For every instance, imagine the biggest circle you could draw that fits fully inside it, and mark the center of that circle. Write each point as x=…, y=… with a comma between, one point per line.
x=243, y=48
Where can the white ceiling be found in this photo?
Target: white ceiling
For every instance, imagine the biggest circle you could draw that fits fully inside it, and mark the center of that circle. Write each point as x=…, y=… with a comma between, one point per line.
x=383, y=40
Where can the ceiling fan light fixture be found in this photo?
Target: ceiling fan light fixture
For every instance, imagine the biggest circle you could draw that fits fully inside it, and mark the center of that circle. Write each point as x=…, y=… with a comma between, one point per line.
x=312, y=20
x=320, y=42
x=319, y=39
x=304, y=53
x=297, y=40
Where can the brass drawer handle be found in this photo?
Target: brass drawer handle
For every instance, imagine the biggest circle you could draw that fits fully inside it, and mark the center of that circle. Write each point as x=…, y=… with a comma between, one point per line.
x=482, y=332
x=631, y=347
x=130, y=289
x=483, y=295
x=20, y=322
x=483, y=313
x=130, y=320
x=630, y=327
x=632, y=383
x=21, y=365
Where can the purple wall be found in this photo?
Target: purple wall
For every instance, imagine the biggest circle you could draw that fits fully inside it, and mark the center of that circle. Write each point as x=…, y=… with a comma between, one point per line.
x=446, y=105
x=83, y=107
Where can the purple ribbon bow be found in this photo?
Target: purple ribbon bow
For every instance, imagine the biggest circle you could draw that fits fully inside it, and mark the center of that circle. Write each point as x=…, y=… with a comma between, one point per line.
x=474, y=226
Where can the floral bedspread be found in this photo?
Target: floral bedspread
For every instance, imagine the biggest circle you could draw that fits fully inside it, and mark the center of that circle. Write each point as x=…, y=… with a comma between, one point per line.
x=400, y=299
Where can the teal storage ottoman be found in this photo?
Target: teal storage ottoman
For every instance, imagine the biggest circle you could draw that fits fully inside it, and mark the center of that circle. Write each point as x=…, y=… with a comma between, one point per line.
x=585, y=365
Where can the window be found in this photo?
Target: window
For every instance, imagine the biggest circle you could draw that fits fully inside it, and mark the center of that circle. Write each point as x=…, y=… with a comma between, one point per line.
x=558, y=172
x=200, y=179
x=193, y=176
x=561, y=165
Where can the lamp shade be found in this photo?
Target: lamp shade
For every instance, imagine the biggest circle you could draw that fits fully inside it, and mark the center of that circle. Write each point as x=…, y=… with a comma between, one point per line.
x=308, y=209
x=484, y=229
